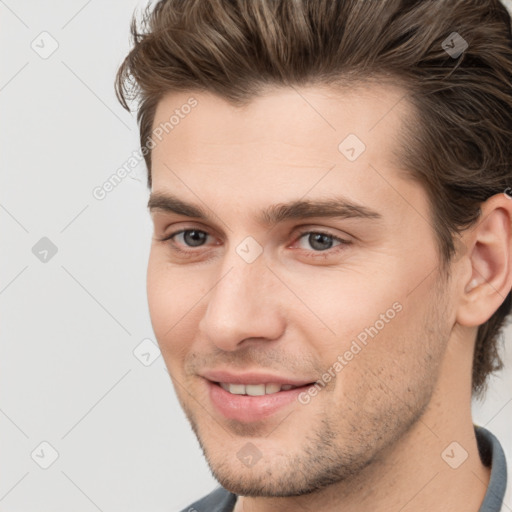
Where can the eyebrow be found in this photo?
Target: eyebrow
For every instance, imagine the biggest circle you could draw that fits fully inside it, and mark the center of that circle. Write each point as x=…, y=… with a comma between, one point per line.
x=337, y=207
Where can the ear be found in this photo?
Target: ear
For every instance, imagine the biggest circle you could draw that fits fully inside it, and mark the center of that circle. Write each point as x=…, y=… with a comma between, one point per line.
x=489, y=245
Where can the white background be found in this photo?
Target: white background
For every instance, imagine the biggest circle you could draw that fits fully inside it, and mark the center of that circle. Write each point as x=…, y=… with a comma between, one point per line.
x=69, y=326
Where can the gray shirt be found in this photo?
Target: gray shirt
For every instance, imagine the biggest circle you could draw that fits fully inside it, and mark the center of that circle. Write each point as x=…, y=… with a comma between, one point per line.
x=491, y=454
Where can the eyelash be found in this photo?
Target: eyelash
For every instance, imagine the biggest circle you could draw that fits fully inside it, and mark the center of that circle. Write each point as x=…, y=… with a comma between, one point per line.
x=301, y=234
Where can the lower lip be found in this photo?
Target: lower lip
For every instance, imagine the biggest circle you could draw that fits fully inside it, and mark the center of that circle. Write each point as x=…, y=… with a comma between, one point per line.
x=247, y=408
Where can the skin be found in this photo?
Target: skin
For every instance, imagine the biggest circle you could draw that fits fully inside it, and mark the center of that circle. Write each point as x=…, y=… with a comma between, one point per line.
x=373, y=436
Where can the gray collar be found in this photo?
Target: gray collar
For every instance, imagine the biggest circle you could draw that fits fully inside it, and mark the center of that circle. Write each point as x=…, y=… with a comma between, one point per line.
x=492, y=455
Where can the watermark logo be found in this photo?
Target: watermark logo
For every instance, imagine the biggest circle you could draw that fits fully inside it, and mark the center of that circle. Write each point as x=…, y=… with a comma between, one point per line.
x=249, y=249
x=45, y=45
x=146, y=352
x=454, y=45
x=249, y=455
x=44, y=250
x=454, y=455
x=351, y=147
x=44, y=455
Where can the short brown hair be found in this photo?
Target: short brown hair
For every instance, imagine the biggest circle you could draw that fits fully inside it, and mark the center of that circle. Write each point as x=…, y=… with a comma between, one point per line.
x=459, y=148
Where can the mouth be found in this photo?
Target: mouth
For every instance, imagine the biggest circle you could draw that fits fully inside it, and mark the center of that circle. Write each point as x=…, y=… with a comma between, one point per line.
x=249, y=403
x=257, y=389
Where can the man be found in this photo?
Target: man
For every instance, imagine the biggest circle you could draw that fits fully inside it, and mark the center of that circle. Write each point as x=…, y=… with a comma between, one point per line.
x=331, y=263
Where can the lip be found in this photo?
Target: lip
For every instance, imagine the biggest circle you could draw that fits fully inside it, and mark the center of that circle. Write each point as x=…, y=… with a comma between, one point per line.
x=252, y=378
x=248, y=409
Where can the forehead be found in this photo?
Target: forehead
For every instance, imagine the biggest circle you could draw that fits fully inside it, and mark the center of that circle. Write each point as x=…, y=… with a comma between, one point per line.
x=281, y=145
x=311, y=122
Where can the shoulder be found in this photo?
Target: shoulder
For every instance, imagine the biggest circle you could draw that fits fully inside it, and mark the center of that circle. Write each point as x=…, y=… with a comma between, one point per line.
x=219, y=500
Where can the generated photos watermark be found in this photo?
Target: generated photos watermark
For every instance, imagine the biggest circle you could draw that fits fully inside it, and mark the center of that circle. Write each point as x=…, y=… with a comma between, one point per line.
x=100, y=192
x=357, y=345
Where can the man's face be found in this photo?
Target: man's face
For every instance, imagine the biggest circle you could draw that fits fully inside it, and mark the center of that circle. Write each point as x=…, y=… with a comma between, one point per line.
x=352, y=301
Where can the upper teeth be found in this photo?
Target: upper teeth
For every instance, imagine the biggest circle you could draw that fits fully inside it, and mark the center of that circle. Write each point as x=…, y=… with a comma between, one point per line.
x=255, y=389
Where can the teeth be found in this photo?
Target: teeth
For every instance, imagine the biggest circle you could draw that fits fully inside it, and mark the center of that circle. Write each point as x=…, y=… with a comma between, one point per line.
x=254, y=389
x=234, y=389
x=272, y=388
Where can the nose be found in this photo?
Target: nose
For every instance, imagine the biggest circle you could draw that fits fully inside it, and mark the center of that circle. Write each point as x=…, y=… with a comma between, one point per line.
x=243, y=305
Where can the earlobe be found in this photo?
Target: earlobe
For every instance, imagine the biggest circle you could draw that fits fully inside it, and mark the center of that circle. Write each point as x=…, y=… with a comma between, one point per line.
x=490, y=257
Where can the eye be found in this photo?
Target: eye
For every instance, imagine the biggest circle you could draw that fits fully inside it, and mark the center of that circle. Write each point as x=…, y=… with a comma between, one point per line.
x=319, y=241
x=188, y=237
x=191, y=237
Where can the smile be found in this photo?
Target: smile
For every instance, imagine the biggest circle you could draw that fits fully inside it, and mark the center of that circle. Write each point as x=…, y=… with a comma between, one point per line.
x=255, y=389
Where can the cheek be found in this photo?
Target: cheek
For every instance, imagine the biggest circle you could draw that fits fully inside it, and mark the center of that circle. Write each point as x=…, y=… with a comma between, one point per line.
x=342, y=305
x=366, y=326
x=379, y=367
x=173, y=301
